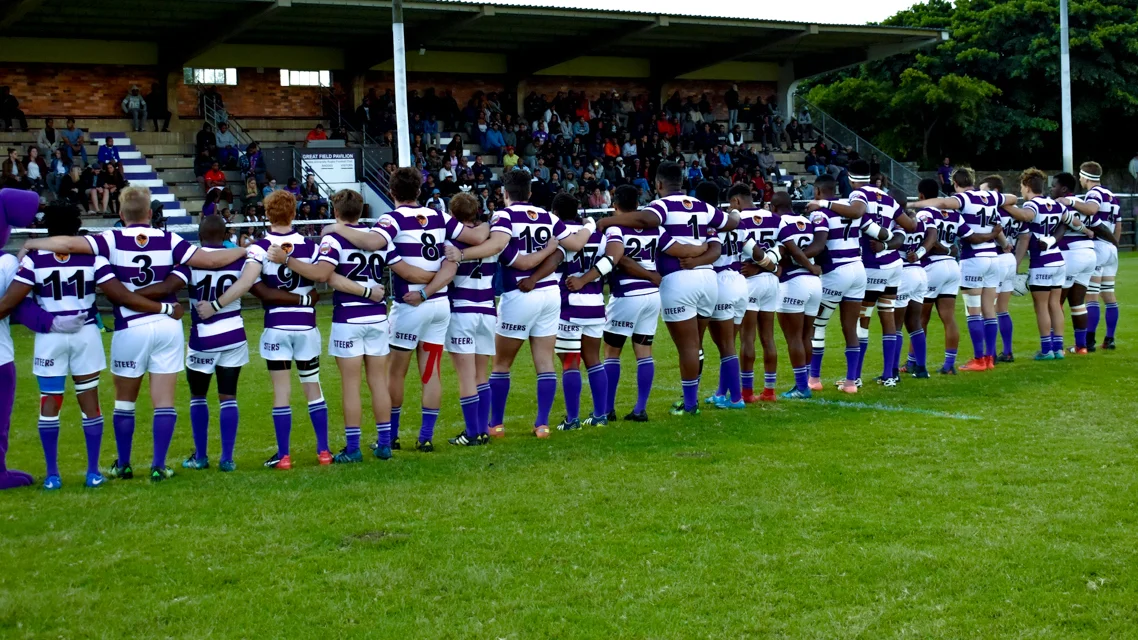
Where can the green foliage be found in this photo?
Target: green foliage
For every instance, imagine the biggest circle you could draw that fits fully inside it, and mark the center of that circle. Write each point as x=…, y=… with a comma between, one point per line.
x=990, y=94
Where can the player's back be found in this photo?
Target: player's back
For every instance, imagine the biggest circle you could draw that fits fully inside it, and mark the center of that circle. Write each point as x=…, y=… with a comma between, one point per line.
x=141, y=256
x=418, y=235
x=530, y=228
x=843, y=239
x=980, y=210
x=797, y=230
x=225, y=329
x=759, y=225
x=360, y=266
x=881, y=208
x=64, y=284
x=686, y=220
x=1049, y=214
x=948, y=225
x=589, y=301
x=916, y=238
x=640, y=246
x=472, y=290
x=278, y=276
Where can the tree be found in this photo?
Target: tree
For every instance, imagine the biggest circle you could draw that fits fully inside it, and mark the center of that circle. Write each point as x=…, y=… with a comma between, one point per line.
x=991, y=92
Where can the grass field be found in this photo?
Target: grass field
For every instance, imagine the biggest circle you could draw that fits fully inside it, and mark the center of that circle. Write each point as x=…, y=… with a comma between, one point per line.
x=999, y=504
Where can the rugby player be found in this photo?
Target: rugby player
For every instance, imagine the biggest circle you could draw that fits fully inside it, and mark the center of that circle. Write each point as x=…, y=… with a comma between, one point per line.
x=762, y=226
x=1107, y=225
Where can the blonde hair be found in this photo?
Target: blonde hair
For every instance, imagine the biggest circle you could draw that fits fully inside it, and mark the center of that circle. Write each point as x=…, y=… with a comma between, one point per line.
x=280, y=208
x=134, y=204
x=347, y=204
x=464, y=207
x=1091, y=167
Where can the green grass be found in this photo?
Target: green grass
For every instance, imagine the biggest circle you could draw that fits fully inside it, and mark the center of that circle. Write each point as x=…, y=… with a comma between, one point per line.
x=794, y=520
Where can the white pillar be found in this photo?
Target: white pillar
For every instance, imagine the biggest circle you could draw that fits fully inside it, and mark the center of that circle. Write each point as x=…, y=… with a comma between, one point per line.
x=787, y=85
x=1065, y=86
x=402, y=128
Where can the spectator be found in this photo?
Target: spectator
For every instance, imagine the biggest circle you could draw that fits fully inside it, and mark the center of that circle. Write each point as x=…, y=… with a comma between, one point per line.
x=747, y=113
x=779, y=130
x=767, y=163
x=109, y=152
x=540, y=133
x=293, y=187
x=480, y=172
x=317, y=133
x=493, y=142
x=806, y=121
x=793, y=134
x=431, y=131
x=611, y=150
x=113, y=182
x=209, y=208
x=35, y=169
x=735, y=139
x=447, y=187
x=598, y=198
x=435, y=201
x=731, y=99
x=57, y=170
x=253, y=163
x=135, y=105
x=580, y=127
x=455, y=146
x=766, y=131
x=203, y=163
x=814, y=164
x=310, y=192
x=48, y=138
x=807, y=190
x=71, y=186
x=759, y=185
x=75, y=142
x=510, y=136
x=944, y=172
x=630, y=149
x=705, y=109
x=15, y=175
x=206, y=140
x=252, y=194
x=510, y=159
x=214, y=178
x=157, y=107
x=226, y=144
x=10, y=110
x=269, y=187
x=98, y=198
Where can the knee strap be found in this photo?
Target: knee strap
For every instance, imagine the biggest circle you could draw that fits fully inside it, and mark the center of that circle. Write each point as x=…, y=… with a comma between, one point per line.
x=1107, y=285
x=86, y=385
x=645, y=339
x=971, y=300
x=885, y=304
x=862, y=333
x=1079, y=310
x=52, y=385
x=614, y=339
x=309, y=370
x=867, y=312
x=1093, y=288
x=123, y=405
x=434, y=360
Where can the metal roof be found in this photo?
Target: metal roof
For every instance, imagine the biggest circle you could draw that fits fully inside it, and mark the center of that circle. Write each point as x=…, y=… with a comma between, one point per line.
x=529, y=36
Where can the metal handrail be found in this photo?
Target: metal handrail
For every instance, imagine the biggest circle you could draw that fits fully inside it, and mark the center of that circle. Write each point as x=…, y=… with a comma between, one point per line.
x=301, y=168
x=899, y=175
x=374, y=174
x=215, y=117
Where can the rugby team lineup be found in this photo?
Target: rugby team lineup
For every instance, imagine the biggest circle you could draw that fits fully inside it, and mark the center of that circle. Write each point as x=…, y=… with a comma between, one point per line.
x=577, y=290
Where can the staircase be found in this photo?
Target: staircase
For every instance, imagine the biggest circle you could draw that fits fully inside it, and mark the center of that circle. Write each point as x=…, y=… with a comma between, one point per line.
x=138, y=171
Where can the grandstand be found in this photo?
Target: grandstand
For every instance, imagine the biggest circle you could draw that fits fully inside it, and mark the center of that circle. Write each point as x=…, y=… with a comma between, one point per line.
x=229, y=60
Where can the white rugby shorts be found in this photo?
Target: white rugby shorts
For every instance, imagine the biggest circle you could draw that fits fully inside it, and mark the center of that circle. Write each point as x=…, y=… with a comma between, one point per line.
x=881, y=279
x=1106, y=259
x=800, y=294
x=471, y=333
x=943, y=279
x=1051, y=277
x=425, y=323
x=74, y=354
x=532, y=314
x=847, y=282
x=688, y=293
x=569, y=335
x=731, y=296
x=209, y=361
x=302, y=346
x=633, y=315
x=154, y=347
x=1006, y=268
x=351, y=340
x=914, y=281
x=763, y=293
x=980, y=272
x=1080, y=266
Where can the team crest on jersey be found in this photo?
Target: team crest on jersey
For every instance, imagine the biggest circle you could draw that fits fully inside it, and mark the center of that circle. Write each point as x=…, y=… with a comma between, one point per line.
x=800, y=225
x=688, y=204
x=325, y=248
x=62, y=257
x=287, y=248
x=494, y=220
x=421, y=219
x=142, y=240
x=531, y=214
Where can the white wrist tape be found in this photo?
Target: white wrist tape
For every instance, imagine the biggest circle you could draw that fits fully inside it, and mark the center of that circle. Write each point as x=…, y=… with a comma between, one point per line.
x=604, y=266
x=921, y=251
x=825, y=204
x=873, y=230
x=305, y=300
x=367, y=292
x=748, y=249
x=167, y=309
x=590, y=224
x=216, y=305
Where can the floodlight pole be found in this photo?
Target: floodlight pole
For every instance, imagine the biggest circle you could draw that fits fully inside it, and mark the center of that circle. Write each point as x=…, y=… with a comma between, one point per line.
x=1065, y=88
x=402, y=129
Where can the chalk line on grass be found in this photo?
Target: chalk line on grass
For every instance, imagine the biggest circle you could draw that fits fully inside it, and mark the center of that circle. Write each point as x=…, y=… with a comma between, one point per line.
x=877, y=406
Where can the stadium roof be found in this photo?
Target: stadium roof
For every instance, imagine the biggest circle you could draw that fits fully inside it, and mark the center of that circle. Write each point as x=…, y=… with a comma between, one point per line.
x=532, y=37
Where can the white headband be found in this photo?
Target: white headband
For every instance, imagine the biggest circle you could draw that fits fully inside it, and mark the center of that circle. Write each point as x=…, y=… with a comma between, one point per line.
x=854, y=178
x=1087, y=175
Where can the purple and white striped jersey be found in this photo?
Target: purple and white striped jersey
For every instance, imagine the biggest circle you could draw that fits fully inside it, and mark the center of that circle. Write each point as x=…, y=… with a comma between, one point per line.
x=980, y=211
x=843, y=242
x=1048, y=215
x=589, y=302
x=642, y=246
x=64, y=284
x=880, y=207
x=797, y=230
x=225, y=329
x=916, y=238
x=686, y=220
x=1012, y=227
x=472, y=290
x=1109, y=211
x=949, y=226
x=760, y=225
x=278, y=276
x=140, y=256
x=357, y=265
x=417, y=235
x=530, y=228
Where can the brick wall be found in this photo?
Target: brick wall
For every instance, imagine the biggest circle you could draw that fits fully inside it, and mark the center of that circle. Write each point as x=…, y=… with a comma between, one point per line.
x=74, y=90
x=259, y=95
x=715, y=90
x=462, y=86
x=593, y=87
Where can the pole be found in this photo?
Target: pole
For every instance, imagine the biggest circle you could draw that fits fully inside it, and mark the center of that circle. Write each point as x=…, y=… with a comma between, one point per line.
x=402, y=129
x=1065, y=86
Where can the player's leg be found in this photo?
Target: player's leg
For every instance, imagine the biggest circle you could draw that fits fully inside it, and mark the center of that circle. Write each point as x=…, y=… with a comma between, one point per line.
x=428, y=355
x=541, y=348
x=1040, y=298
x=567, y=348
x=482, y=364
x=199, y=382
x=1094, y=311
x=464, y=368
x=51, y=399
x=818, y=340
x=851, y=314
x=228, y=415
x=163, y=387
x=888, y=320
x=1077, y=301
x=991, y=322
x=505, y=351
x=791, y=325
x=748, y=337
x=770, y=355
x=122, y=421
x=351, y=380
x=973, y=300
x=645, y=374
x=377, y=382
x=685, y=334
x=723, y=335
x=399, y=362
x=613, y=346
x=1005, y=324
x=1110, y=315
x=598, y=377
x=946, y=311
x=864, y=324
x=280, y=374
x=87, y=394
x=1055, y=307
x=309, y=373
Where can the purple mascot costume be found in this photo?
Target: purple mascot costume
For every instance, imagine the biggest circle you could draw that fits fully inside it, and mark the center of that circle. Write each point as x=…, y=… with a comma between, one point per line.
x=17, y=208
